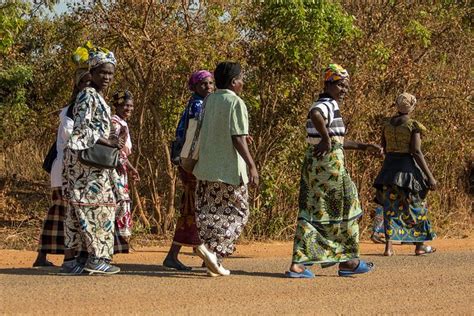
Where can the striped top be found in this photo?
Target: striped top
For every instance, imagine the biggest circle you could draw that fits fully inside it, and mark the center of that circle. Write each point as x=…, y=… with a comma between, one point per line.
x=329, y=109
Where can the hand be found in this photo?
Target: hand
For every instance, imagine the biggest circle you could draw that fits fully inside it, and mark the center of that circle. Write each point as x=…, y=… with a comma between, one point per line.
x=249, y=140
x=323, y=148
x=253, y=177
x=135, y=174
x=121, y=142
x=432, y=184
x=376, y=149
x=113, y=141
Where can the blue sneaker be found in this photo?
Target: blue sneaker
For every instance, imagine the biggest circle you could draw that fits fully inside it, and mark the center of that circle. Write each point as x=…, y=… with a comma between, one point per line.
x=100, y=266
x=72, y=268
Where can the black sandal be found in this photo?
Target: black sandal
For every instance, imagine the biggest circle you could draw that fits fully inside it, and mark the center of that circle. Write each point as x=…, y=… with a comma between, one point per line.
x=43, y=264
x=176, y=265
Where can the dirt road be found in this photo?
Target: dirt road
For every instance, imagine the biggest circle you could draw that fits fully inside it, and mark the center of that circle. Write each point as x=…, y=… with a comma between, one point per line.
x=437, y=284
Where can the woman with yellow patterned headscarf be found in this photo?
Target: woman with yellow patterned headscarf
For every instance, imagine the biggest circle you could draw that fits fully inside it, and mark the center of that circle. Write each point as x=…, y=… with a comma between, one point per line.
x=92, y=192
x=52, y=234
x=327, y=232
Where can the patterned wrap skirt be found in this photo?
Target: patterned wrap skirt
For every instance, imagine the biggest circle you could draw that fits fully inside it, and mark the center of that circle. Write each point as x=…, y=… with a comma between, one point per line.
x=186, y=233
x=401, y=191
x=123, y=216
x=222, y=210
x=327, y=230
x=52, y=234
x=90, y=217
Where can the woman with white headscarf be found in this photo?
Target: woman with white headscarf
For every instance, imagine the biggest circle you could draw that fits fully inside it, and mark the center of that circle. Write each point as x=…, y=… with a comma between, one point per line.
x=404, y=181
x=91, y=190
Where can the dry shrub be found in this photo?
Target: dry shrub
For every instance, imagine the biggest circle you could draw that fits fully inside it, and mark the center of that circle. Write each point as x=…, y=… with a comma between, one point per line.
x=415, y=47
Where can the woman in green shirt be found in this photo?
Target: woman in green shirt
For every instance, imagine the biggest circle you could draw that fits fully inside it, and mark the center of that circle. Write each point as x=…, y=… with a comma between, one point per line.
x=221, y=195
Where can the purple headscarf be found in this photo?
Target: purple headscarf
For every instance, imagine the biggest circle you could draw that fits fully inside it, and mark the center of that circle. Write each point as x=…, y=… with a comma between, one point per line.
x=197, y=77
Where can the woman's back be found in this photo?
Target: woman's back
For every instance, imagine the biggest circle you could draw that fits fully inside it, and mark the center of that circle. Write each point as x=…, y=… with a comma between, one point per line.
x=397, y=133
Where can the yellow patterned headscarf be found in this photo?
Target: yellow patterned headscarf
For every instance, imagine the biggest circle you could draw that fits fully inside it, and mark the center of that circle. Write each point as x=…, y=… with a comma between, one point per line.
x=80, y=56
x=80, y=59
x=335, y=72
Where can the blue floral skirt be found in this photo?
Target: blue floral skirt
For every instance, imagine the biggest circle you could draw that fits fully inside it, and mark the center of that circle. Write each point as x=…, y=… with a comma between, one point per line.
x=405, y=215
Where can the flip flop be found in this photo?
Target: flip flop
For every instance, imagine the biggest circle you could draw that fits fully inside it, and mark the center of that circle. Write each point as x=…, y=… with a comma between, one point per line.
x=426, y=250
x=306, y=274
x=362, y=267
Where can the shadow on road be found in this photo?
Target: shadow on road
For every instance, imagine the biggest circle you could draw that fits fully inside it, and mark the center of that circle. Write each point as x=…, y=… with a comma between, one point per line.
x=29, y=271
x=159, y=271
x=126, y=269
x=189, y=253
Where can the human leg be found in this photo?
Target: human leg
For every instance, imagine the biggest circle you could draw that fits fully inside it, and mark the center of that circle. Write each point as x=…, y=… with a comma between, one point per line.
x=52, y=233
x=186, y=233
x=388, y=252
x=98, y=232
x=221, y=214
x=421, y=249
x=171, y=261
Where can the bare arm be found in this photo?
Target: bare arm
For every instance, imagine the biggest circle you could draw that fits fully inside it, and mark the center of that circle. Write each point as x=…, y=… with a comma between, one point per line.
x=319, y=123
x=240, y=144
x=349, y=144
x=415, y=150
x=133, y=171
x=114, y=140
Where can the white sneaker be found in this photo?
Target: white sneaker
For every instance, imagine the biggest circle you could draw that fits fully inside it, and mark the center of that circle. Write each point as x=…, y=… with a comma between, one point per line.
x=222, y=271
x=210, y=258
x=212, y=274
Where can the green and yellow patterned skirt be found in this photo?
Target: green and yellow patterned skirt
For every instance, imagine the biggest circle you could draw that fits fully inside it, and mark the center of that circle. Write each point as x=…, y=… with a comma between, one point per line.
x=327, y=230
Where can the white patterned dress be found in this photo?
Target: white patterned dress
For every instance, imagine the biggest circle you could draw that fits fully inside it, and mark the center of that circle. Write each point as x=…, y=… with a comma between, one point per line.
x=124, y=214
x=92, y=200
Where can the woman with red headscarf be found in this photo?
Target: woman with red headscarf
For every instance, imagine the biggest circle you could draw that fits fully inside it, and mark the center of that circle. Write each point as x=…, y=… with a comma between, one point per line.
x=327, y=232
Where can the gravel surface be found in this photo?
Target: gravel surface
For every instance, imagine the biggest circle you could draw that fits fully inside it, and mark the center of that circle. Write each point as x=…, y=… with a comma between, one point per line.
x=438, y=284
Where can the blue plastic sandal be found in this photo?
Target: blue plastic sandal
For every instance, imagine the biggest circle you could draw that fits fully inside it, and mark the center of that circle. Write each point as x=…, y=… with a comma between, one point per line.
x=325, y=265
x=306, y=274
x=362, y=267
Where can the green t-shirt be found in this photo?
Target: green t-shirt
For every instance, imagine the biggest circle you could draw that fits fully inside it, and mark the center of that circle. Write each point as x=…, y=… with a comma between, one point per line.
x=225, y=115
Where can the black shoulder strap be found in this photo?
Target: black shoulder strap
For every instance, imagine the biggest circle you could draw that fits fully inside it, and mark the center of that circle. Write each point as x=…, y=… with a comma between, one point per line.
x=70, y=109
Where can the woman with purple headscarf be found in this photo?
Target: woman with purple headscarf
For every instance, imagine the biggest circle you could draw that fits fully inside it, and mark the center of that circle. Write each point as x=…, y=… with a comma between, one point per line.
x=201, y=83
